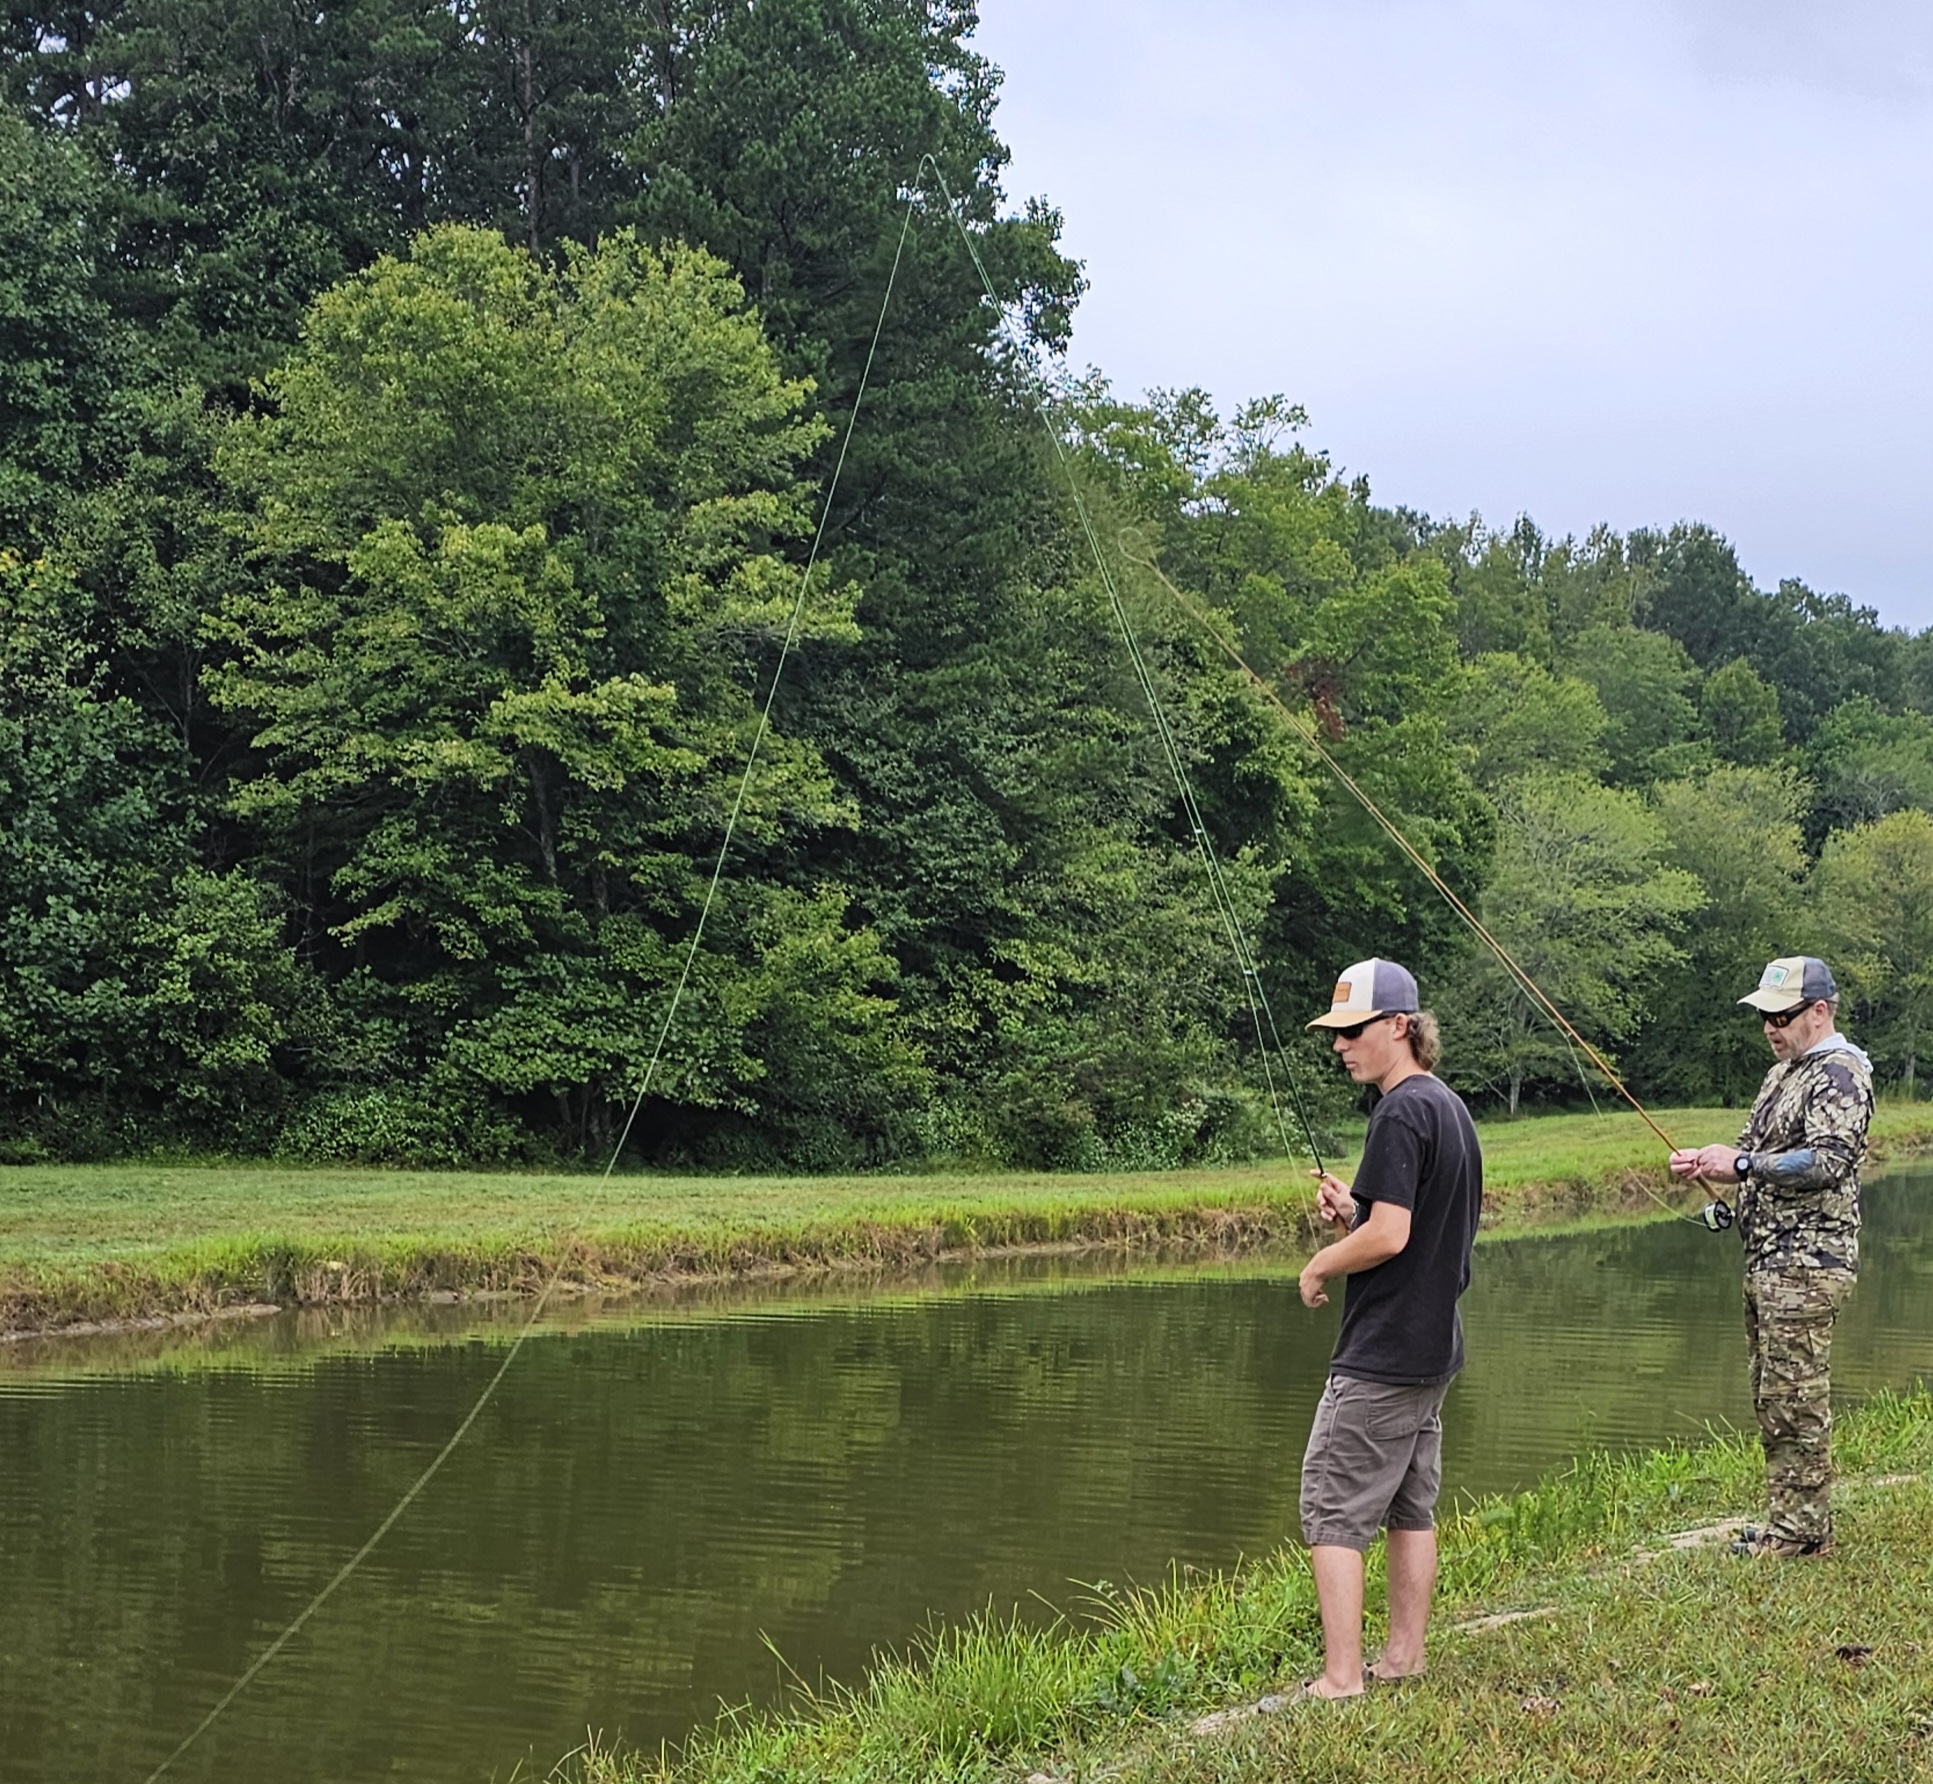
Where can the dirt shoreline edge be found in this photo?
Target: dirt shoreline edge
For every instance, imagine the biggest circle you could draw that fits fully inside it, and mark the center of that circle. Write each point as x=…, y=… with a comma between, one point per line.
x=256, y=1277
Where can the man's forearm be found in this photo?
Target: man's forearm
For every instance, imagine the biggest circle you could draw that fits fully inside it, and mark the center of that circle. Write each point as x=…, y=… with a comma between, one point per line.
x=1823, y=1161
x=1363, y=1249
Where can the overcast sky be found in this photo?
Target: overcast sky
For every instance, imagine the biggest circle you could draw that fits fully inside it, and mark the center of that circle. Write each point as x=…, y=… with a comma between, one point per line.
x=1632, y=262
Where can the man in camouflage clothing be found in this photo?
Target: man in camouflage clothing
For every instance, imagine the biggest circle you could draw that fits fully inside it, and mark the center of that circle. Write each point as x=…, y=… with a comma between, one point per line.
x=1797, y=1170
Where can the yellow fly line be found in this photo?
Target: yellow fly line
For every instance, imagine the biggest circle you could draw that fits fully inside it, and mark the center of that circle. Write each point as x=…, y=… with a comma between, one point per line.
x=1307, y=732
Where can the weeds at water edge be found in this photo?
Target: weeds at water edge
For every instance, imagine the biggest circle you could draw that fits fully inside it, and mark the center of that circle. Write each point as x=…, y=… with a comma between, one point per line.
x=996, y=1695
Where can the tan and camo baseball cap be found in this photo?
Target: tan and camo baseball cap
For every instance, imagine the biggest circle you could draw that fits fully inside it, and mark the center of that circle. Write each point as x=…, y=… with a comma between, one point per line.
x=1369, y=989
x=1788, y=983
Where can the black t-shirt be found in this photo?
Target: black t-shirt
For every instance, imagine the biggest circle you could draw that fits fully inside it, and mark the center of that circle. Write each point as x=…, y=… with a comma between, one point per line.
x=1399, y=1319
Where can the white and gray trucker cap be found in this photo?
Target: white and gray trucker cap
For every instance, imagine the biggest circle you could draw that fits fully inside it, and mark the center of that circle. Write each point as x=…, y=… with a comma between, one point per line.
x=1369, y=989
x=1788, y=983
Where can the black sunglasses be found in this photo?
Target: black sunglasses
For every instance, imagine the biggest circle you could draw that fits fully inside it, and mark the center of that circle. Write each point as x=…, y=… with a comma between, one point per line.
x=1785, y=1018
x=1354, y=1031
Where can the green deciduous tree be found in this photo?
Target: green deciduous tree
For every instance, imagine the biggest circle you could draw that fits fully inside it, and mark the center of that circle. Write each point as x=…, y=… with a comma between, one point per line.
x=85, y=848
x=1331, y=598
x=1741, y=713
x=786, y=138
x=1514, y=718
x=1583, y=898
x=1598, y=583
x=1816, y=651
x=516, y=564
x=259, y=152
x=140, y=994
x=63, y=358
x=1737, y=831
x=1646, y=683
x=1867, y=762
x=1523, y=592
x=1500, y=608
x=1873, y=893
x=222, y=1013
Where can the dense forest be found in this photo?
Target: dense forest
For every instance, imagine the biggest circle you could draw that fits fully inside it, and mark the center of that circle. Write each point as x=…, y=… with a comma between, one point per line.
x=413, y=423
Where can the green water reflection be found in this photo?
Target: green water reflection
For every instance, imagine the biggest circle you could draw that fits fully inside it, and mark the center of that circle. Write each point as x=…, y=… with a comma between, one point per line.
x=656, y=1487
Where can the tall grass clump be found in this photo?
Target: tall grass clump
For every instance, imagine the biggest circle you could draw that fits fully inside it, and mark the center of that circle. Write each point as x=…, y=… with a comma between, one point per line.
x=1602, y=1502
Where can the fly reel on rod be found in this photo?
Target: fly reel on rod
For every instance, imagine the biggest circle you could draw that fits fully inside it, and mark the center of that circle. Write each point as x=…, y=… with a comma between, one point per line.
x=1716, y=1215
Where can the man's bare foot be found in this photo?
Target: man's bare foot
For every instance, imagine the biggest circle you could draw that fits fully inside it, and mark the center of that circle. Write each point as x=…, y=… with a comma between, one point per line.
x=1379, y=1672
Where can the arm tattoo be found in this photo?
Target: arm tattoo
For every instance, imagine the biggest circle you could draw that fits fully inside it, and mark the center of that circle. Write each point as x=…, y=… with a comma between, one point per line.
x=1803, y=1169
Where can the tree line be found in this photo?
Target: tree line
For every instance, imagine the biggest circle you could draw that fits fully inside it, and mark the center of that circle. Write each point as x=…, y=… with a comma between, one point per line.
x=413, y=421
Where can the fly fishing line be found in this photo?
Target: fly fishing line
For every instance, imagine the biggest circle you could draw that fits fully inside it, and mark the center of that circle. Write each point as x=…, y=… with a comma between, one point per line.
x=1305, y=731
x=1261, y=1014
x=1268, y=1036
x=1518, y=973
x=793, y=624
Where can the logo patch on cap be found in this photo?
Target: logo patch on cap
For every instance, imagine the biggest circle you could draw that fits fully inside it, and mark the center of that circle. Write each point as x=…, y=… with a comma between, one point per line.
x=1774, y=980
x=1342, y=992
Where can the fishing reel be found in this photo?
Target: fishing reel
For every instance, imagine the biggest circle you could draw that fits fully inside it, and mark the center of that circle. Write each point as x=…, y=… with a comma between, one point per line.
x=1716, y=1216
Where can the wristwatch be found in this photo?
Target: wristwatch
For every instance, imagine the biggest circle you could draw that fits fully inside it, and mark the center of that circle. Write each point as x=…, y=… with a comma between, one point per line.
x=1743, y=1164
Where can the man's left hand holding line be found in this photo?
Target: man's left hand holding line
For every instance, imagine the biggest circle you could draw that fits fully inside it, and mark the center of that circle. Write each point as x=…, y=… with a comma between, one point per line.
x=1716, y=1162
x=1381, y=1236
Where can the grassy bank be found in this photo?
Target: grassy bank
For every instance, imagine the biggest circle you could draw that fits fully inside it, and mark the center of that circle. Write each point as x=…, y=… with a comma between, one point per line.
x=111, y=1243
x=1628, y=1656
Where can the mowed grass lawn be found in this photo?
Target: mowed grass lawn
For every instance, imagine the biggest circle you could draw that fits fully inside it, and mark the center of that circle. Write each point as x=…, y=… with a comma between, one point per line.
x=116, y=1240
x=79, y=1213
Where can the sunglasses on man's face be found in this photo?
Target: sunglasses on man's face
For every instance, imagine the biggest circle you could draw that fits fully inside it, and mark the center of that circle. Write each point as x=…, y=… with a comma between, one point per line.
x=1355, y=1030
x=1785, y=1018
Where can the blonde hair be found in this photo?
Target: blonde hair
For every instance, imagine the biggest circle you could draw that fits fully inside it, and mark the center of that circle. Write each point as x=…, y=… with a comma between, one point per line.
x=1425, y=1039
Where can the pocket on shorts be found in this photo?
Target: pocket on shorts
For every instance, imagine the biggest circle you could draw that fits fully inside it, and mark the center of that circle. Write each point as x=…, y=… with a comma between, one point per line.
x=1389, y=1421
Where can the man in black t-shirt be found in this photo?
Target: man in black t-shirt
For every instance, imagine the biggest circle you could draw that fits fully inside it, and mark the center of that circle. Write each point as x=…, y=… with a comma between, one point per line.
x=1375, y=1454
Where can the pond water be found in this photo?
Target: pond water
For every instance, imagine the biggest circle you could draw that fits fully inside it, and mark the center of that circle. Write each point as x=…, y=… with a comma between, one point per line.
x=658, y=1491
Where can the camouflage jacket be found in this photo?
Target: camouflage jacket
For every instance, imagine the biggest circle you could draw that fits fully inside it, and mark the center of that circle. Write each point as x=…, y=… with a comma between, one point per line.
x=1799, y=1208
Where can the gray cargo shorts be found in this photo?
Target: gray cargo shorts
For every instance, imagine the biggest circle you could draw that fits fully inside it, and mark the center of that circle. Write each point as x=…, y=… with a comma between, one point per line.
x=1374, y=1461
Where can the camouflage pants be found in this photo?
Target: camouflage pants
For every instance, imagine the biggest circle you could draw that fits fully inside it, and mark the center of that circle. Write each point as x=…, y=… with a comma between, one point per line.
x=1788, y=1319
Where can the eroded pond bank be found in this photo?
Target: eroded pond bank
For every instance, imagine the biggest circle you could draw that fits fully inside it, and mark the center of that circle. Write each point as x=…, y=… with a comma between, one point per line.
x=119, y=1244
